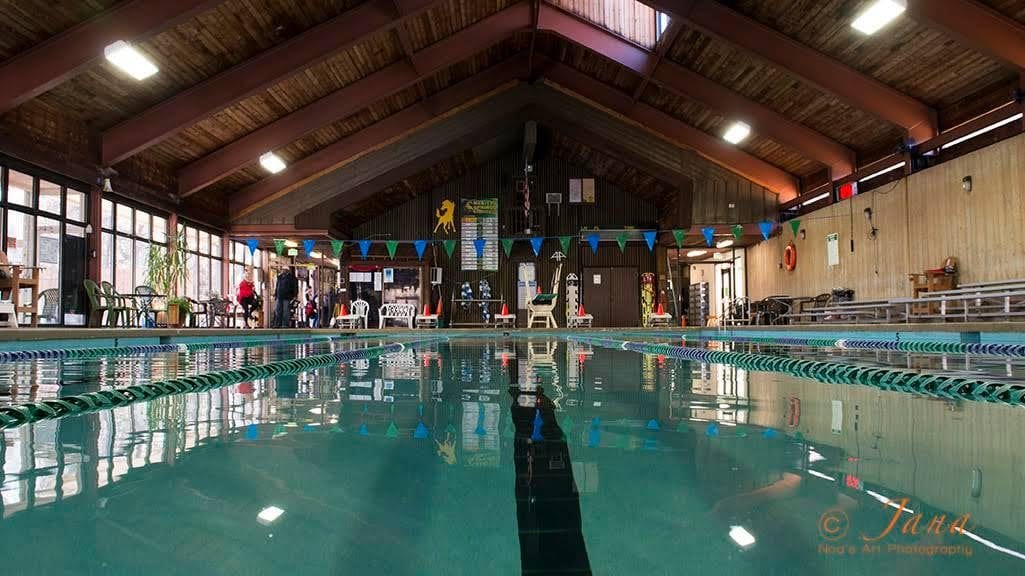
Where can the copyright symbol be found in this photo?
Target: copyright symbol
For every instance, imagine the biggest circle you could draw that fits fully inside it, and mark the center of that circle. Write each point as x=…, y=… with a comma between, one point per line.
x=833, y=524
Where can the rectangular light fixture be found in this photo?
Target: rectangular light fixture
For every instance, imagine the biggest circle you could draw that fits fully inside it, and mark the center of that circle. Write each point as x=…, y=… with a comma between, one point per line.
x=879, y=14
x=724, y=243
x=272, y=163
x=268, y=515
x=291, y=244
x=131, y=61
x=741, y=536
x=737, y=132
x=982, y=131
x=822, y=196
x=883, y=171
x=316, y=254
x=696, y=253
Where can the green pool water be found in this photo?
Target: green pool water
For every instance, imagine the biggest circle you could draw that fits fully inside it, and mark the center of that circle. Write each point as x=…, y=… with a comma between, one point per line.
x=509, y=456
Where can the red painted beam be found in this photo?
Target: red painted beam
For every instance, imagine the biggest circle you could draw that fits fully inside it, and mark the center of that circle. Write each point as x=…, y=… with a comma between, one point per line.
x=975, y=25
x=664, y=44
x=47, y=65
x=374, y=136
x=714, y=149
x=352, y=98
x=239, y=231
x=832, y=76
x=765, y=121
x=258, y=73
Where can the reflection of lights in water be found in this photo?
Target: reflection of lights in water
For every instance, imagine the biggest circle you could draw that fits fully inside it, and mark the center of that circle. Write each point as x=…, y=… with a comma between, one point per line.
x=889, y=502
x=318, y=411
x=741, y=536
x=268, y=515
x=821, y=475
x=814, y=456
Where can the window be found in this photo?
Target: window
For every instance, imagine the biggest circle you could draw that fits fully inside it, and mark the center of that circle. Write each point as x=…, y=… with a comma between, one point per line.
x=204, y=262
x=240, y=258
x=629, y=19
x=127, y=236
x=49, y=197
x=20, y=188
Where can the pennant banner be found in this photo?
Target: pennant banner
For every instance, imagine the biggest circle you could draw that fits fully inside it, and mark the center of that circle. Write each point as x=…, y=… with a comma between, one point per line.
x=336, y=247
x=709, y=234
x=364, y=248
x=253, y=244
x=308, y=246
x=565, y=240
x=478, y=245
x=536, y=243
x=592, y=239
x=507, y=244
x=795, y=225
x=738, y=232
x=450, y=247
x=279, y=246
x=765, y=228
x=678, y=235
x=391, y=245
x=649, y=237
x=420, y=246
x=621, y=240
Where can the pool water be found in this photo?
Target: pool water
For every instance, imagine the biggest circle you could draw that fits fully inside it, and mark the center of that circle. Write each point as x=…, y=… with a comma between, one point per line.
x=507, y=456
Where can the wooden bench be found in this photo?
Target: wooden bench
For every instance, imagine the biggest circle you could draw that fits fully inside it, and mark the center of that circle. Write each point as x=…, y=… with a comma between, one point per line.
x=974, y=303
x=403, y=312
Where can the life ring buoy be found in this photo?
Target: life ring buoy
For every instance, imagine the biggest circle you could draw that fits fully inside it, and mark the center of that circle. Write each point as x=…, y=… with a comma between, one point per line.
x=790, y=257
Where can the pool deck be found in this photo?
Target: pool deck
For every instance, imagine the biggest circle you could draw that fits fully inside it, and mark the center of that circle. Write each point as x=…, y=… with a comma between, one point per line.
x=1010, y=329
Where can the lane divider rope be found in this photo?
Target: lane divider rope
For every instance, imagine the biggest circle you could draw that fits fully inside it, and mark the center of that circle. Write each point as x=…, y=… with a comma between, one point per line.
x=895, y=379
x=17, y=415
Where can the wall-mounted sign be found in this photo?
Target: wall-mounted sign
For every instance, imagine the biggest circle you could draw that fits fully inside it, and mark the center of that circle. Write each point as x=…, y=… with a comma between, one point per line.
x=575, y=190
x=446, y=216
x=833, y=249
x=588, y=190
x=479, y=220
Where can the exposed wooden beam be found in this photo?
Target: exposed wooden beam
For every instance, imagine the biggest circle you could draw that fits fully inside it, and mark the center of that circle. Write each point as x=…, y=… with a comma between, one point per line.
x=860, y=90
x=767, y=122
x=352, y=98
x=258, y=73
x=976, y=26
x=49, y=64
x=664, y=44
x=601, y=95
x=374, y=136
x=273, y=231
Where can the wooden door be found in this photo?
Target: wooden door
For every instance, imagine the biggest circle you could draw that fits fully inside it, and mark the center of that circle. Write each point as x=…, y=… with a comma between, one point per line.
x=612, y=296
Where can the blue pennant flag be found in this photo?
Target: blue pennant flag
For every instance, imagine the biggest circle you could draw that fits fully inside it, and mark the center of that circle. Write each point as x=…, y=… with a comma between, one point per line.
x=308, y=246
x=535, y=243
x=253, y=244
x=709, y=234
x=649, y=237
x=420, y=246
x=478, y=245
x=421, y=431
x=592, y=239
x=766, y=228
x=535, y=435
x=364, y=248
x=653, y=425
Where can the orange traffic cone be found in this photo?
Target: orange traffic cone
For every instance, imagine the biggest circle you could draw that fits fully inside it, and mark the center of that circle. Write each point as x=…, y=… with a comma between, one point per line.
x=438, y=309
x=344, y=312
x=538, y=287
x=580, y=311
x=427, y=309
x=505, y=309
x=661, y=310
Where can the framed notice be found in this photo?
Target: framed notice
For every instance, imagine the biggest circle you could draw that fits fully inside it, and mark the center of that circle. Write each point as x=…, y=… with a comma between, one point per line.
x=587, y=185
x=479, y=221
x=833, y=249
x=575, y=190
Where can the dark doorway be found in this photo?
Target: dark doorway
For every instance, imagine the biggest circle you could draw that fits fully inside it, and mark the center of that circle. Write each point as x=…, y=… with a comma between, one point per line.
x=73, y=260
x=612, y=296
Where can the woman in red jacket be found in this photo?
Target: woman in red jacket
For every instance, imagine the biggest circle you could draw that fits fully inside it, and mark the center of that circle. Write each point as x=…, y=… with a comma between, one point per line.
x=247, y=295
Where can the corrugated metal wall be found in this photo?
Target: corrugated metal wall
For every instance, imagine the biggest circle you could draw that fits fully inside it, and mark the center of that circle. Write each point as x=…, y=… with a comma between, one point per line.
x=613, y=208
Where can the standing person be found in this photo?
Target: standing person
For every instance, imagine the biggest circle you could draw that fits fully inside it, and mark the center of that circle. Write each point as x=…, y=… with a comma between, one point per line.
x=247, y=295
x=311, y=308
x=285, y=291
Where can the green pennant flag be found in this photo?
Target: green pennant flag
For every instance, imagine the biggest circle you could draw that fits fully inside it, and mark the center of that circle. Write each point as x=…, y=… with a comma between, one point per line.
x=795, y=225
x=392, y=245
x=279, y=246
x=507, y=244
x=621, y=240
x=450, y=247
x=738, y=231
x=679, y=235
x=565, y=240
x=336, y=247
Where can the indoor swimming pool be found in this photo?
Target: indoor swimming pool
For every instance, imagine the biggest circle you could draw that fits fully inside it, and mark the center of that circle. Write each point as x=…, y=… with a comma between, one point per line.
x=507, y=454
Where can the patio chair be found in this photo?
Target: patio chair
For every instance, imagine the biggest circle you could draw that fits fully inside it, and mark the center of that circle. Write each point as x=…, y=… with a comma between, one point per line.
x=221, y=310
x=197, y=314
x=148, y=305
x=98, y=304
x=117, y=306
x=49, y=306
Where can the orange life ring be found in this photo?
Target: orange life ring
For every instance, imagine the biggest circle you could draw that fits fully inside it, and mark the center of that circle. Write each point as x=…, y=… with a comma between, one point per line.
x=790, y=257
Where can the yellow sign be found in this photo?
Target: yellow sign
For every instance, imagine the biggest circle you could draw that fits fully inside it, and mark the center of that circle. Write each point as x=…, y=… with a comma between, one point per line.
x=446, y=216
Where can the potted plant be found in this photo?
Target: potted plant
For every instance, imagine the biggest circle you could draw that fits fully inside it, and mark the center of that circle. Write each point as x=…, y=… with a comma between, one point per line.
x=166, y=270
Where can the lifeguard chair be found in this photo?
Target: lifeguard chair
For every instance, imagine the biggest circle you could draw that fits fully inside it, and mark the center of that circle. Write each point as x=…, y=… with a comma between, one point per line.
x=541, y=306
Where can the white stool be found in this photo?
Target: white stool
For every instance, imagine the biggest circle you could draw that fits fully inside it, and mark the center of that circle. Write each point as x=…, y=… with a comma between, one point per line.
x=429, y=321
x=12, y=318
x=584, y=321
x=505, y=320
x=660, y=320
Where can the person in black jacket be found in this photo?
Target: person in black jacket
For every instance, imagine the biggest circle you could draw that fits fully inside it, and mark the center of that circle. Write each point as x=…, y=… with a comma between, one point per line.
x=286, y=289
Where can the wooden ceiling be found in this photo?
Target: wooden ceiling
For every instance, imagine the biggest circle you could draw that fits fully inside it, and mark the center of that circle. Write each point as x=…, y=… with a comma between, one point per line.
x=919, y=60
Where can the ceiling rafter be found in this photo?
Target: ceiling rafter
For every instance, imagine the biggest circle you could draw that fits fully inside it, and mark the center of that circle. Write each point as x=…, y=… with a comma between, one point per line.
x=165, y=119
x=60, y=58
x=916, y=118
x=976, y=26
x=352, y=98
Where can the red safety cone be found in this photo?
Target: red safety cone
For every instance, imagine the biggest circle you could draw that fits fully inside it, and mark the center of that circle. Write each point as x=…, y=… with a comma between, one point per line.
x=505, y=309
x=580, y=311
x=661, y=310
x=427, y=309
x=538, y=287
x=437, y=310
x=344, y=312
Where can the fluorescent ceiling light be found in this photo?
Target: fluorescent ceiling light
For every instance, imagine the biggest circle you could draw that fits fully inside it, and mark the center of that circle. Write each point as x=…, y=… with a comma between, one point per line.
x=291, y=244
x=131, y=61
x=883, y=171
x=736, y=133
x=316, y=254
x=982, y=131
x=272, y=163
x=268, y=515
x=696, y=253
x=741, y=536
x=879, y=14
x=815, y=199
x=724, y=243
x=821, y=475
